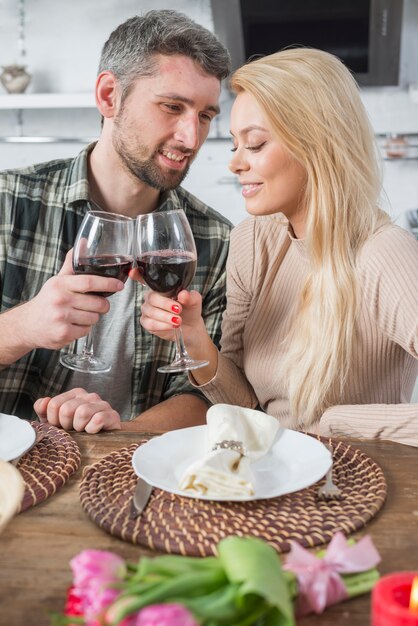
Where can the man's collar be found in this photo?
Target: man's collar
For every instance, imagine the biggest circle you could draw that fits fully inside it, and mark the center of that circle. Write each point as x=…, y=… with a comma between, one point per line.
x=169, y=200
x=77, y=186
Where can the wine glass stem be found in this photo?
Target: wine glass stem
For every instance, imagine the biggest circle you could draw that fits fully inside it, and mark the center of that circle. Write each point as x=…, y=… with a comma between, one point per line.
x=181, y=352
x=87, y=351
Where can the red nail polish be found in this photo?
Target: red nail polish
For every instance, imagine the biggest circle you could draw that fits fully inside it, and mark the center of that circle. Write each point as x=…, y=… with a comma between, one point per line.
x=175, y=308
x=175, y=320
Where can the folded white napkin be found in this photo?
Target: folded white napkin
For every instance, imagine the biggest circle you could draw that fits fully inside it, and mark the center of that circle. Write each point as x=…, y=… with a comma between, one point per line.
x=225, y=472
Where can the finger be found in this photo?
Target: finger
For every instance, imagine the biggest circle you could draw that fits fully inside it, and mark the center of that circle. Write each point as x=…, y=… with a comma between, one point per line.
x=67, y=267
x=136, y=274
x=40, y=407
x=159, y=321
x=159, y=301
x=183, y=297
x=189, y=298
x=75, y=413
x=78, y=317
x=90, y=284
x=90, y=303
x=55, y=404
x=103, y=420
x=158, y=314
x=86, y=409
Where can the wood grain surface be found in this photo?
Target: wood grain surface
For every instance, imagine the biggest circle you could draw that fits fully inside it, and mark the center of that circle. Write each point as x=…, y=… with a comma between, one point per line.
x=37, y=545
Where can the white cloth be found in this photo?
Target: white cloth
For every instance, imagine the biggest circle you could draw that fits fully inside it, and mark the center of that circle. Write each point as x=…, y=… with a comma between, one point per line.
x=225, y=473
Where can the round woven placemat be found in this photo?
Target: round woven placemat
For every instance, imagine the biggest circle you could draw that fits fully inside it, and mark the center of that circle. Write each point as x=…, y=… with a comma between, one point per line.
x=48, y=466
x=180, y=525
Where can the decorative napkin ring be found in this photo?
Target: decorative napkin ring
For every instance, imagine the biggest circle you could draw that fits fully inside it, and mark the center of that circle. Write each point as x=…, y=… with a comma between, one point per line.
x=230, y=444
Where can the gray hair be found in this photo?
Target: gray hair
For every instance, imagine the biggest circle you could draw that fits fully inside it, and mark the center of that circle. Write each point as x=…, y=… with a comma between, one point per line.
x=131, y=48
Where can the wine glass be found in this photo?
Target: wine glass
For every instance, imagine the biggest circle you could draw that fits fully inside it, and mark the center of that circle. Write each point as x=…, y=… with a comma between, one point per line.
x=103, y=247
x=166, y=258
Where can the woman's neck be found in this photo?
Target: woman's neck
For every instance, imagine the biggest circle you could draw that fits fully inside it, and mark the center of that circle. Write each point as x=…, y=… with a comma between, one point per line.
x=298, y=228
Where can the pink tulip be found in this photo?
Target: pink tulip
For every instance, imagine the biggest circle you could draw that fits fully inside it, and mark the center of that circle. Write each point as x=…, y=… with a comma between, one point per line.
x=165, y=615
x=95, y=573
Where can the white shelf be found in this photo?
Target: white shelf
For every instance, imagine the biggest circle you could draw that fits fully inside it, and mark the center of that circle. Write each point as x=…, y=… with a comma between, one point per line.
x=47, y=101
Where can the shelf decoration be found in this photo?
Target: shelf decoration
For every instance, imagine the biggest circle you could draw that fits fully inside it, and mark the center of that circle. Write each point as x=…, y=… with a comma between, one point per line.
x=14, y=77
x=395, y=146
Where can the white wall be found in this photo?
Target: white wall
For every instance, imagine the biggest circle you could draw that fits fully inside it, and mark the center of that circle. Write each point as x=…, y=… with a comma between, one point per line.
x=63, y=42
x=64, y=39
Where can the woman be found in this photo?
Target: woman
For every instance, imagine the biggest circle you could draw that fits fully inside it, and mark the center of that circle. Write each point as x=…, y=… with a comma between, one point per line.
x=321, y=321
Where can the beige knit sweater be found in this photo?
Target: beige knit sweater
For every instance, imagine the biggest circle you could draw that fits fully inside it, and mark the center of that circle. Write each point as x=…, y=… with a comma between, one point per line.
x=266, y=270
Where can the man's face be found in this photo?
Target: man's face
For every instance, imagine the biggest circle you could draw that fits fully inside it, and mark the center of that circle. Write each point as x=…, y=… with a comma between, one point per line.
x=164, y=120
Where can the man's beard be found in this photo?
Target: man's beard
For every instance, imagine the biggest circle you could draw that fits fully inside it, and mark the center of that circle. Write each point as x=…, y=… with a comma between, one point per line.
x=146, y=169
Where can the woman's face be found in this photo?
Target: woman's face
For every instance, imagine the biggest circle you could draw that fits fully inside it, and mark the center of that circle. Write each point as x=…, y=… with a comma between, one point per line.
x=272, y=180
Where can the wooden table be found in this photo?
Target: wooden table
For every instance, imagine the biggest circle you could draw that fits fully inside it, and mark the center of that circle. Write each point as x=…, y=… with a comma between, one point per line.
x=36, y=546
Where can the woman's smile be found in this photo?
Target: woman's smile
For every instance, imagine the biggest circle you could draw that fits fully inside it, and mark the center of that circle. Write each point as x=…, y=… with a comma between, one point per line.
x=250, y=189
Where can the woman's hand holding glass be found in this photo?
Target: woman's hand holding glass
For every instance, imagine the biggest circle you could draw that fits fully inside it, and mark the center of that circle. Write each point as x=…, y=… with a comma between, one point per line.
x=166, y=257
x=160, y=315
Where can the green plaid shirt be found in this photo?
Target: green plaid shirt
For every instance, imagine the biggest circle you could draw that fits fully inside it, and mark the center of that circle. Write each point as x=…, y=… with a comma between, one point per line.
x=41, y=210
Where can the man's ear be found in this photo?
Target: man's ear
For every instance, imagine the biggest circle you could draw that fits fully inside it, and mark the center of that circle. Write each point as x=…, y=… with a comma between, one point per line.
x=107, y=94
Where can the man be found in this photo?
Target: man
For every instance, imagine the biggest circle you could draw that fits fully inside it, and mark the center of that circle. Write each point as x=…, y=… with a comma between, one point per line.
x=157, y=91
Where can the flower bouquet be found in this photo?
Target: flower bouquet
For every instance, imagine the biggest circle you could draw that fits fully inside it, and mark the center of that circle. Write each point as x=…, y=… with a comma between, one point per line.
x=244, y=585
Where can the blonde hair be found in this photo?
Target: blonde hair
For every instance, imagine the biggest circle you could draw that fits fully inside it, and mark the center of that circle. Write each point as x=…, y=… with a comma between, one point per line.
x=313, y=106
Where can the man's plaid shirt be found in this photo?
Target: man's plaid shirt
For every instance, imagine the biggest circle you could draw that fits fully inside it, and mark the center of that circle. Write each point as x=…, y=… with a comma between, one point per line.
x=41, y=210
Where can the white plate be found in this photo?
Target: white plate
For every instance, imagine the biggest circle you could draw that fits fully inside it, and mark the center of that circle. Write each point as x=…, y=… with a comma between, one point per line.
x=16, y=436
x=294, y=462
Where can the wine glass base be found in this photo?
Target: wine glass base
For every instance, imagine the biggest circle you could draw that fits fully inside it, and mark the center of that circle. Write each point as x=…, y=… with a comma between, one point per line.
x=87, y=364
x=182, y=365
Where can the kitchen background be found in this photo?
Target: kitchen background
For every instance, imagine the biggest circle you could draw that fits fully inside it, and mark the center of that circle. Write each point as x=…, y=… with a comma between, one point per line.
x=60, y=43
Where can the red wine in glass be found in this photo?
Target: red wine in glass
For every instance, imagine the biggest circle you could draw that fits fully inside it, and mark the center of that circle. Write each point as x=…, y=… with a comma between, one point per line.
x=109, y=265
x=167, y=271
x=103, y=247
x=167, y=257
